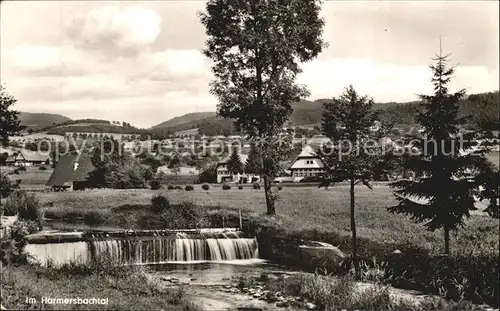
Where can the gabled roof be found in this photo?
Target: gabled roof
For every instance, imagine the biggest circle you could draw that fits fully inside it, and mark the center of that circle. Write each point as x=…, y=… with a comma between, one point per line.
x=71, y=168
x=33, y=156
x=307, y=152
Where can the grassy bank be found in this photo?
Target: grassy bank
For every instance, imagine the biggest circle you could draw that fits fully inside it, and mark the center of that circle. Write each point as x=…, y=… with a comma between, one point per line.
x=125, y=288
x=315, y=214
x=299, y=210
x=343, y=293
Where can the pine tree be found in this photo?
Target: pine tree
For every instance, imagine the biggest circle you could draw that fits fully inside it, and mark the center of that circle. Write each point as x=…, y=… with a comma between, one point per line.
x=347, y=121
x=235, y=166
x=443, y=192
x=254, y=161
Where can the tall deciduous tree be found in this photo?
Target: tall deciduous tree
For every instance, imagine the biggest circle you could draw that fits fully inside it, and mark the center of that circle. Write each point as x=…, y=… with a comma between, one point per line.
x=347, y=121
x=235, y=166
x=256, y=47
x=9, y=120
x=443, y=192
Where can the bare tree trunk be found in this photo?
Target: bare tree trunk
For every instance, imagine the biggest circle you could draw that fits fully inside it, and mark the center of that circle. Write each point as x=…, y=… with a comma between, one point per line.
x=271, y=210
x=353, y=230
x=446, y=240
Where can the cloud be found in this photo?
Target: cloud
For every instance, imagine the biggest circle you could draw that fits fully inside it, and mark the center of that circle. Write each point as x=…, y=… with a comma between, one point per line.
x=116, y=30
x=384, y=81
x=43, y=60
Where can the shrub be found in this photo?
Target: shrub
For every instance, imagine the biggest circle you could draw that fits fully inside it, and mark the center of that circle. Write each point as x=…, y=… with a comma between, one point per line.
x=7, y=186
x=42, y=168
x=12, y=244
x=160, y=203
x=16, y=171
x=94, y=218
x=185, y=215
x=256, y=186
x=205, y=186
x=189, y=188
x=155, y=184
x=280, y=188
x=226, y=187
x=170, y=187
x=26, y=205
x=240, y=187
x=178, y=187
x=21, y=169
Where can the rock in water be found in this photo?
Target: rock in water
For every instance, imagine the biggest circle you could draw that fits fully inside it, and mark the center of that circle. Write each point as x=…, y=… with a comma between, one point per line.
x=282, y=304
x=310, y=306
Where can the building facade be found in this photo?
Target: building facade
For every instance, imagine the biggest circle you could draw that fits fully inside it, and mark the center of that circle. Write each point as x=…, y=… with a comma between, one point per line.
x=307, y=164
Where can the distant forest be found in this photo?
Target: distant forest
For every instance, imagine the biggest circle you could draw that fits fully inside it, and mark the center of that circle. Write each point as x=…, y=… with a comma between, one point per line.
x=480, y=109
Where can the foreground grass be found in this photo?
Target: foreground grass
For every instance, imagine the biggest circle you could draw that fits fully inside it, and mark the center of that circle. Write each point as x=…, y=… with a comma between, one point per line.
x=329, y=293
x=127, y=290
x=299, y=209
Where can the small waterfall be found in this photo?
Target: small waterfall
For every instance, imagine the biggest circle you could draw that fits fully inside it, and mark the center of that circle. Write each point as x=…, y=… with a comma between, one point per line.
x=58, y=253
x=149, y=250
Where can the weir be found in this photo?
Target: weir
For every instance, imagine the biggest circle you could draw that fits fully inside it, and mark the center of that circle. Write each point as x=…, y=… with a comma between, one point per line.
x=156, y=249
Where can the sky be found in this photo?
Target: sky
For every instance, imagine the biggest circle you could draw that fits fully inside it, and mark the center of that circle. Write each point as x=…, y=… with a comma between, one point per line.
x=141, y=62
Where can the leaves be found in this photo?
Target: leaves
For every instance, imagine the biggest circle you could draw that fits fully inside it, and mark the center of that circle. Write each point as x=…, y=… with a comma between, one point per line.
x=347, y=121
x=256, y=47
x=9, y=121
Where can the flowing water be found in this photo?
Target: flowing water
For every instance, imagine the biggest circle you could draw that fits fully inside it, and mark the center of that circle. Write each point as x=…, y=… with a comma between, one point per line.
x=150, y=250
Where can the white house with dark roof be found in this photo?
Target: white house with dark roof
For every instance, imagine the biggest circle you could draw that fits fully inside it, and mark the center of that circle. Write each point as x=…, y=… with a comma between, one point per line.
x=224, y=175
x=307, y=164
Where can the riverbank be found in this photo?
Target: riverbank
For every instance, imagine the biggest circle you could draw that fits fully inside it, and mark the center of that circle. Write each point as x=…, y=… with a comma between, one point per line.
x=25, y=287
x=310, y=214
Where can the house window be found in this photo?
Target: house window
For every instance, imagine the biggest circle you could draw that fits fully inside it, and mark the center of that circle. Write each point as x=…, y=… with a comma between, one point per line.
x=309, y=161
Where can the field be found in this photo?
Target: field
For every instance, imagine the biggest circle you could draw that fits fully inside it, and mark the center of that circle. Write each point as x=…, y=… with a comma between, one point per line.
x=32, y=179
x=299, y=209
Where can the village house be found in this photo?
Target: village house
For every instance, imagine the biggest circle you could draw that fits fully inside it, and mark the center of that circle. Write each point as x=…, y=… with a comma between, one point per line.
x=224, y=175
x=307, y=164
x=28, y=158
x=71, y=173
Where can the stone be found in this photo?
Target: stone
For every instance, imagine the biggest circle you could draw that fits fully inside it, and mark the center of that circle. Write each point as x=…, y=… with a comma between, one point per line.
x=257, y=295
x=174, y=281
x=280, y=298
x=321, y=251
x=310, y=306
x=194, y=279
x=166, y=278
x=278, y=294
x=245, y=289
x=225, y=279
x=282, y=304
x=252, y=291
x=227, y=286
x=397, y=252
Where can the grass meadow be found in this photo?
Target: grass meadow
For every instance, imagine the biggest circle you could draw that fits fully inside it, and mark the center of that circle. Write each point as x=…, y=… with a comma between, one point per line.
x=31, y=179
x=298, y=209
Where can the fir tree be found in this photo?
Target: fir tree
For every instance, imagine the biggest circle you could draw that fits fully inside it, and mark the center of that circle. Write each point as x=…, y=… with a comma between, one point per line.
x=235, y=166
x=443, y=192
x=254, y=161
